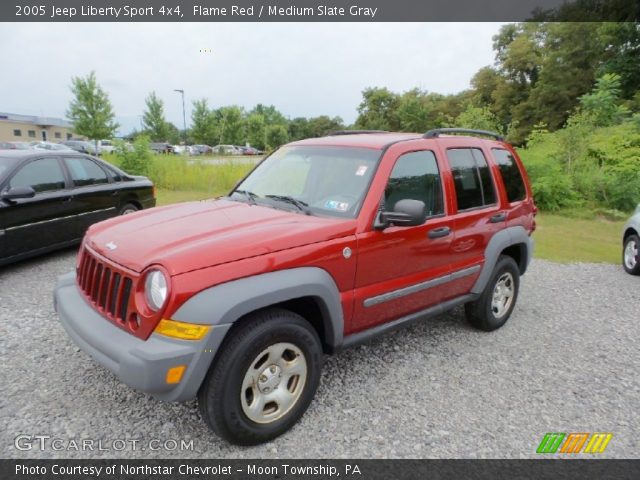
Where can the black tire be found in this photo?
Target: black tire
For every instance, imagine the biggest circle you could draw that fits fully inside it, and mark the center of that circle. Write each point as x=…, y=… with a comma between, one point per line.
x=633, y=267
x=128, y=208
x=220, y=396
x=482, y=313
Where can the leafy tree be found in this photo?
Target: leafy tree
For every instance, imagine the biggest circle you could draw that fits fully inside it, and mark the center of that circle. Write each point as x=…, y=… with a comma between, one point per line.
x=174, y=134
x=478, y=117
x=256, y=130
x=276, y=135
x=231, y=125
x=620, y=44
x=203, y=126
x=378, y=110
x=602, y=104
x=270, y=114
x=414, y=114
x=90, y=111
x=299, y=128
x=153, y=120
x=323, y=125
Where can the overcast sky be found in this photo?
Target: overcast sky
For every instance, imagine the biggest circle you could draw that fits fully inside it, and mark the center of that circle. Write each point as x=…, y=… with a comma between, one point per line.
x=304, y=69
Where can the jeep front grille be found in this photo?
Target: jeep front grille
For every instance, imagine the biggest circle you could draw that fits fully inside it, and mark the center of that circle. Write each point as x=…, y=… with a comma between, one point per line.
x=107, y=286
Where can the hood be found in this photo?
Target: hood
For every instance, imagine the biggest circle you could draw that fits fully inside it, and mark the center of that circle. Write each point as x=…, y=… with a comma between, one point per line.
x=194, y=235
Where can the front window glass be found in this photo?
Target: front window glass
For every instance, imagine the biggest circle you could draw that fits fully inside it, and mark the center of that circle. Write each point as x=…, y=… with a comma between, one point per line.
x=41, y=175
x=316, y=180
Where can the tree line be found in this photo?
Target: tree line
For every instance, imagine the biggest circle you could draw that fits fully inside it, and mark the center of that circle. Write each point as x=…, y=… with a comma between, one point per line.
x=541, y=71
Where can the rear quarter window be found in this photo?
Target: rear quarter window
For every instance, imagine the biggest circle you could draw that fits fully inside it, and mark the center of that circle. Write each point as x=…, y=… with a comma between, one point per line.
x=511, y=175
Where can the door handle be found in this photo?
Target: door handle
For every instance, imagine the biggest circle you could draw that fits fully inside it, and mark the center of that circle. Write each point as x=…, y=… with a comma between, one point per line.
x=499, y=217
x=439, y=232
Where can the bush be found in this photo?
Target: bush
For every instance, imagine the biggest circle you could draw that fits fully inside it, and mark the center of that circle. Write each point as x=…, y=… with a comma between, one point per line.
x=135, y=159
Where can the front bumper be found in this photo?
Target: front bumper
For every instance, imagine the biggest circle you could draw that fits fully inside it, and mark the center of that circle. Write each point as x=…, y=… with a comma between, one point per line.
x=141, y=364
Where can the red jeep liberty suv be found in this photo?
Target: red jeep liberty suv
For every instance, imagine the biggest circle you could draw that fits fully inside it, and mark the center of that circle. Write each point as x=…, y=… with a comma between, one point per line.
x=327, y=243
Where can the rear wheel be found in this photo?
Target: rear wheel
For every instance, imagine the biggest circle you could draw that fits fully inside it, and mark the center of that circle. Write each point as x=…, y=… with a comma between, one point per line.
x=127, y=209
x=263, y=378
x=630, y=260
x=498, y=299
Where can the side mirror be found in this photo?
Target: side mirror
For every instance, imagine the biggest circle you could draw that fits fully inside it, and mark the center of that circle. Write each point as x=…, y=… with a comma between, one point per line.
x=15, y=193
x=406, y=213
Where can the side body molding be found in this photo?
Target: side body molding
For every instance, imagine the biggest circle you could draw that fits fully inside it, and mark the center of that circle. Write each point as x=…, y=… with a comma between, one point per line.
x=503, y=239
x=228, y=302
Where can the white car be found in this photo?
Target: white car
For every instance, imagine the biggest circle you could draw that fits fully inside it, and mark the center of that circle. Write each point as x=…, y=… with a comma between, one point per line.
x=106, y=146
x=226, y=150
x=50, y=146
x=631, y=244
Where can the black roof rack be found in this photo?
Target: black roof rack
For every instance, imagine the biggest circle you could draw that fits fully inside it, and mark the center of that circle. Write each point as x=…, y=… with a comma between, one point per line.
x=355, y=132
x=435, y=133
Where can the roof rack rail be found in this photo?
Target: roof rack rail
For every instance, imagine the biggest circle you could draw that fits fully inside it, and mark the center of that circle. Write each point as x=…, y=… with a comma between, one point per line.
x=355, y=132
x=435, y=133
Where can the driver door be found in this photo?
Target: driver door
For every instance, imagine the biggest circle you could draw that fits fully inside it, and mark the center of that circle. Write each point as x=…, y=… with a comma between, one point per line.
x=399, y=267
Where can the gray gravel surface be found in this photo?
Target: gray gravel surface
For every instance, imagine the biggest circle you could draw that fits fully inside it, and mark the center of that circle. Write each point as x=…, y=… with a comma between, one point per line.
x=567, y=361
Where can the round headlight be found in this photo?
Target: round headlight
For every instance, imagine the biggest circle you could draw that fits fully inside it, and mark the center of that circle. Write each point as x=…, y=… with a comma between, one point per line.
x=155, y=289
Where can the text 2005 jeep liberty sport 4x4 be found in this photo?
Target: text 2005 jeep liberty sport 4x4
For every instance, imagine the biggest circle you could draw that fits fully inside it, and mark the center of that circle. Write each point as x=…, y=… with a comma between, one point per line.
x=326, y=243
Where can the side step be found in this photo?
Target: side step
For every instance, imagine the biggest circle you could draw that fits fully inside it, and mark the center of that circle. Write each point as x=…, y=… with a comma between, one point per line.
x=359, y=338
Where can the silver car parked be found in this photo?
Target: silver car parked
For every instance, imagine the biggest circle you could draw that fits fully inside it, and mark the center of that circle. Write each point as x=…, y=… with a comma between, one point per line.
x=631, y=243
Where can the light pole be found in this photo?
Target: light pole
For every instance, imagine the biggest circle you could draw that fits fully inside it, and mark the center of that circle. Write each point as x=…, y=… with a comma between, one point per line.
x=184, y=119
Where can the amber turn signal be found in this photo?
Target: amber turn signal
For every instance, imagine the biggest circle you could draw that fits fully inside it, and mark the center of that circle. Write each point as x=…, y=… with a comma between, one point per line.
x=184, y=331
x=174, y=374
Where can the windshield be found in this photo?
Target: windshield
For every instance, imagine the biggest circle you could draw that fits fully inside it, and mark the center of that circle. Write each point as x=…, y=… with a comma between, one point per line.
x=5, y=165
x=314, y=180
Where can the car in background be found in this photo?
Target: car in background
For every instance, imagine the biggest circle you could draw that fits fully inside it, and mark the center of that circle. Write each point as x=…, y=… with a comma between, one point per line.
x=50, y=146
x=161, y=147
x=202, y=150
x=48, y=199
x=631, y=244
x=14, y=146
x=106, y=146
x=250, y=151
x=81, y=146
x=226, y=150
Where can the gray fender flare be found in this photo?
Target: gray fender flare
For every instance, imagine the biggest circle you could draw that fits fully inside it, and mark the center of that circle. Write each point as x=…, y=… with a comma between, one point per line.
x=228, y=302
x=501, y=240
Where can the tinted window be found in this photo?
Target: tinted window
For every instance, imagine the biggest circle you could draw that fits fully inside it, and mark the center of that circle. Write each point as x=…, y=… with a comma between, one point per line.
x=474, y=187
x=41, y=175
x=511, y=176
x=415, y=176
x=85, y=172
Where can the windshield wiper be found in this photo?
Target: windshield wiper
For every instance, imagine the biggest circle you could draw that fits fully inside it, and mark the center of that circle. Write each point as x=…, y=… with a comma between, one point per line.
x=303, y=206
x=250, y=195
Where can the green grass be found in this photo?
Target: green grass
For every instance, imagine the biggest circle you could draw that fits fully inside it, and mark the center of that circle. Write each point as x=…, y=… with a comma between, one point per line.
x=167, y=197
x=563, y=239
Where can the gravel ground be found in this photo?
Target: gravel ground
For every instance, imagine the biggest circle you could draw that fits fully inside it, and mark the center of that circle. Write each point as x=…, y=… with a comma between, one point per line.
x=567, y=361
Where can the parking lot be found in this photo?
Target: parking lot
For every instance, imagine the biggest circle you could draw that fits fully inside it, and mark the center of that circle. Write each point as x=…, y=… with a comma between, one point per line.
x=567, y=361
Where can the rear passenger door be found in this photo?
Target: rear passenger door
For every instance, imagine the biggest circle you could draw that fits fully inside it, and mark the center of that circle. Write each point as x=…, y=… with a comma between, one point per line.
x=477, y=218
x=520, y=205
x=94, y=197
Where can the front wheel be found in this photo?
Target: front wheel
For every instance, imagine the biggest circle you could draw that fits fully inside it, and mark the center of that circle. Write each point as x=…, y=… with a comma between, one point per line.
x=494, y=307
x=263, y=379
x=630, y=255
